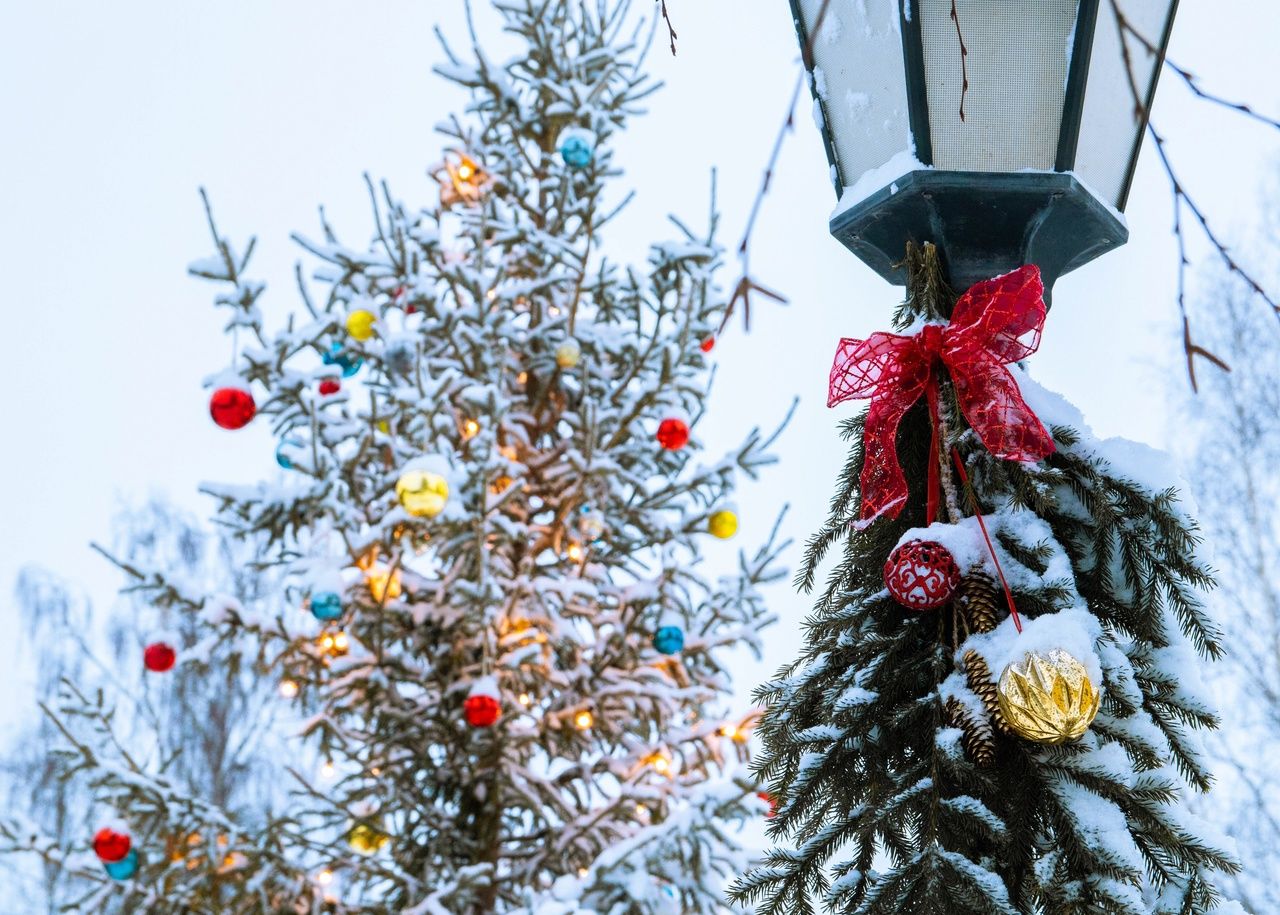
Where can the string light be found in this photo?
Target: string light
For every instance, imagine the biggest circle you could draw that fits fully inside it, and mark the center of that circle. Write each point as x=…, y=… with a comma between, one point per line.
x=384, y=584
x=575, y=552
x=470, y=428
x=491, y=294
x=522, y=378
x=525, y=699
x=325, y=877
x=334, y=644
x=583, y=720
x=660, y=762
x=729, y=730
x=327, y=770
x=553, y=310
x=289, y=688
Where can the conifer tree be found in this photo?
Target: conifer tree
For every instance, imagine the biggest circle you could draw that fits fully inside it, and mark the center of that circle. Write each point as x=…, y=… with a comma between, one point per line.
x=494, y=504
x=912, y=774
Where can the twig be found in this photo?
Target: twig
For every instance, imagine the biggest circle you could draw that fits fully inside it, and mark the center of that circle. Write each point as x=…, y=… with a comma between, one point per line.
x=745, y=284
x=671, y=31
x=964, y=59
x=1181, y=197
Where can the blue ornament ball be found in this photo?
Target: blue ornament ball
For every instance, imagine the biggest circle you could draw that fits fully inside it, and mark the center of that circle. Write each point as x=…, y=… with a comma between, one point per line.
x=326, y=605
x=123, y=869
x=576, y=150
x=669, y=639
x=348, y=362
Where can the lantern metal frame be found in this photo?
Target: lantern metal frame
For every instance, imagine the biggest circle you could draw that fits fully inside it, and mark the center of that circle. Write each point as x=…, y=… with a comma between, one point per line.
x=986, y=223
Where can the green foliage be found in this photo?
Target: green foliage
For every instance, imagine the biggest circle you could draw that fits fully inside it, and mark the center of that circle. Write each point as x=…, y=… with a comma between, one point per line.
x=881, y=811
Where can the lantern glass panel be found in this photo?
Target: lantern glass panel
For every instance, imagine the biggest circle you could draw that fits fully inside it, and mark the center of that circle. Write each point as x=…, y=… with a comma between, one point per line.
x=859, y=78
x=1016, y=65
x=1110, y=122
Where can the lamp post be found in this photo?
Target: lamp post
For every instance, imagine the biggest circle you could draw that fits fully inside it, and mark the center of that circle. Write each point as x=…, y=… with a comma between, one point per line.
x=1003, y=131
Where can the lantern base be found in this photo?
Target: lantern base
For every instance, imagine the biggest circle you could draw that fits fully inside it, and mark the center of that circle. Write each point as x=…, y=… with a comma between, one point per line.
x=983, y=223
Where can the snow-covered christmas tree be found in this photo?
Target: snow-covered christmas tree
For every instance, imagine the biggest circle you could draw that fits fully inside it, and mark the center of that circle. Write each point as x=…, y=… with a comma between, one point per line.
x=997, y=706
x=495, y=630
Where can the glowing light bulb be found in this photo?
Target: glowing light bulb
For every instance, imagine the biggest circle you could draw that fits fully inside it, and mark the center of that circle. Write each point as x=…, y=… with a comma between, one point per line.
x=553, y=310
x=491, y=294
x=661, y=764
x=583, y=720
x=325, y=877
x=466, y=172
x=730, y=731
x=582, y=872
x=525, y=699
x=522, y=377
x=576, y=552
x=470, y=428
x=289, y=688
x=327, y=770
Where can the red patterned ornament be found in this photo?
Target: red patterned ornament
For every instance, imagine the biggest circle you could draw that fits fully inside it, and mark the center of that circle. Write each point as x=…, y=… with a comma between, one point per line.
x=330, y=386
x=111, y=846
x=921, y=574
x=159, y=657
x=232, y=408
x=482, y=710
x=673, y=433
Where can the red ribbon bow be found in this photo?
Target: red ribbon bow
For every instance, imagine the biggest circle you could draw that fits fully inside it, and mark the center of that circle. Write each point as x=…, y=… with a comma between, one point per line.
x=996, y=322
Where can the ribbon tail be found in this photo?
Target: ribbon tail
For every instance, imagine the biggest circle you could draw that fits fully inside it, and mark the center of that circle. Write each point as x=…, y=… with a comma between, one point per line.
x=934, y=491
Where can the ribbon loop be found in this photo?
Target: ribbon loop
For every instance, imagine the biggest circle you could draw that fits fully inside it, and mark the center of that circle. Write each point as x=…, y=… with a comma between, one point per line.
x=995, y=322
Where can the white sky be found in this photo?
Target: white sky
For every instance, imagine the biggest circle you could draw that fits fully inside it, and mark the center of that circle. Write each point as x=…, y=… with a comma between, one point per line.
x=111, y=115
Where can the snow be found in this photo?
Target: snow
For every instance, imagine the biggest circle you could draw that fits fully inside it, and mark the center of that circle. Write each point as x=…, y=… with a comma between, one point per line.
x=899, y=165
x=1074, y=630
x=1148, y=468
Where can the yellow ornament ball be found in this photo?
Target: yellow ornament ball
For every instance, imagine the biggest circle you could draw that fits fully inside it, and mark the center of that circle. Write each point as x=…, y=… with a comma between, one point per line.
x=1047, y=697
x=568, y=354
x=723, y=524
x=366, y=840
x=422, y=493
x=360, y=324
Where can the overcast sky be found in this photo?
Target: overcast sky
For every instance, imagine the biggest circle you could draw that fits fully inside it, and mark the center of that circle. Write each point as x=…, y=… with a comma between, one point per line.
x=112, y=114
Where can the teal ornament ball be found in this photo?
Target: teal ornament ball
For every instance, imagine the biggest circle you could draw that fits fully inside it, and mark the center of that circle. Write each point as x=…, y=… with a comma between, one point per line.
x=123, y=869
x=326, y=605
x=348, y=362
x=576, y=150
x=288, y=452
x=669, y=639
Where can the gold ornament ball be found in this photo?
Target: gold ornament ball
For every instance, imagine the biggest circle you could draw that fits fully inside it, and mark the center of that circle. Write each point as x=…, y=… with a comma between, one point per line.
x=366, y=840
x=422, y=493
x=568, y=354
x=1047, y=697
x=360, y=324
x=723, y=524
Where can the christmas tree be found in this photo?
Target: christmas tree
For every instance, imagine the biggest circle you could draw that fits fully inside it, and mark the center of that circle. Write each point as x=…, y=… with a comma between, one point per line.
x=492, y=511
x=997, y=705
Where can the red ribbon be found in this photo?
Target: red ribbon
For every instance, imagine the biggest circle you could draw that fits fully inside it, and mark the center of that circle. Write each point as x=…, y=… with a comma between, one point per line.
x=996, y=322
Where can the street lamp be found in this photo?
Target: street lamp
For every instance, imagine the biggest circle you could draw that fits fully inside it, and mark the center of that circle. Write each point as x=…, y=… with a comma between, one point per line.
x=1004, y=131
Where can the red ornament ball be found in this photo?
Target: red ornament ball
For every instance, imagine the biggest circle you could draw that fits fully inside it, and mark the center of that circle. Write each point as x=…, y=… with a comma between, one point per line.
x=708, y=344
x=481, y=710
x=159, y=657
x=232, y=408
x=771, y=801
x=673, y=433
x=330, y=386
x=921, y=574
x=111, y=846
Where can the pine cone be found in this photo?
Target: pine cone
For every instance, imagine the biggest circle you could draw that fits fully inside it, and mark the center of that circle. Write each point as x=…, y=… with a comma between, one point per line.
x=979, y=598
x=978, y=676
x=975, y=735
